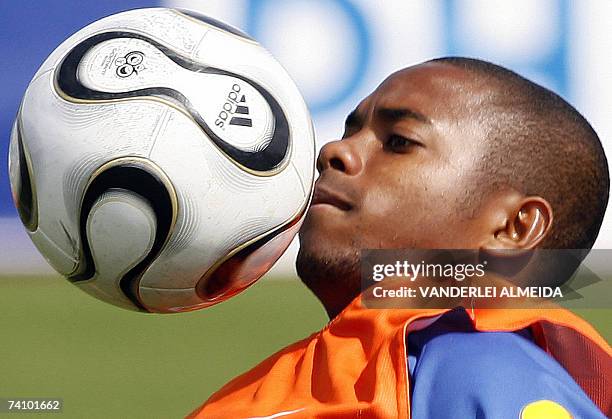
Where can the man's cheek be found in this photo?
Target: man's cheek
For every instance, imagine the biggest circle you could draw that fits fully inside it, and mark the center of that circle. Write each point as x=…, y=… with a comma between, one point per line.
x=323, y=227
x=379, y=203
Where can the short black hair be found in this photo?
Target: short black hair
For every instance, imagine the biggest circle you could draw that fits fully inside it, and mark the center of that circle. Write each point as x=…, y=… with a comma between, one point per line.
x=541, y=145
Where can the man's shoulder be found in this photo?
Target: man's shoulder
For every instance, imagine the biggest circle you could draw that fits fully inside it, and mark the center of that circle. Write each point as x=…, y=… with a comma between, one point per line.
x=483, y=352
x=491, y=372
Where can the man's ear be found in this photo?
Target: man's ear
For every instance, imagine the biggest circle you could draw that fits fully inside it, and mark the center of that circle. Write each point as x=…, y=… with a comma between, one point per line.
x=518, y=222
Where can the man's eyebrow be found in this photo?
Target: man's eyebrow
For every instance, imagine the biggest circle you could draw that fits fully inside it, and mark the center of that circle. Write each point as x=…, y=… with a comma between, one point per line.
x=353, y=119
x=395, y=114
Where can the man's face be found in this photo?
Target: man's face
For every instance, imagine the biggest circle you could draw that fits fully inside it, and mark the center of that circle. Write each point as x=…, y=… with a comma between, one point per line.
x=401, y=176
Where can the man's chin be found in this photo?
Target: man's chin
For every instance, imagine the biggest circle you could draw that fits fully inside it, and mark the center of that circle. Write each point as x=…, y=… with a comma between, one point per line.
x=332, y=274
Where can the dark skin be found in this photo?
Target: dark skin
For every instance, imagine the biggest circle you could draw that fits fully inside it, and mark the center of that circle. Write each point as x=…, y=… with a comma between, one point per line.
x=403, y=176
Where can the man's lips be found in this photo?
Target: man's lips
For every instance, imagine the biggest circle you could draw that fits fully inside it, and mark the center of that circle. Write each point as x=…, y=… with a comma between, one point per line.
x=323, y=195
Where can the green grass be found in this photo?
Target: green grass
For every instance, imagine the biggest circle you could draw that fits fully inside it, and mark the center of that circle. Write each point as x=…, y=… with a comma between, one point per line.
x=110, y=363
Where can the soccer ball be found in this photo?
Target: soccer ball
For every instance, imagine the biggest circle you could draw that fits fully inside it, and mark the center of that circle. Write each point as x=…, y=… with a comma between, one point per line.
x=161, y=160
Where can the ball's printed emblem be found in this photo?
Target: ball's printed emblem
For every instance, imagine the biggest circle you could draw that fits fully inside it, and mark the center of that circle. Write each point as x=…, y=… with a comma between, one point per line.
x=544, y=409
x=235, y=104
x=242, y=109
x=129, y=64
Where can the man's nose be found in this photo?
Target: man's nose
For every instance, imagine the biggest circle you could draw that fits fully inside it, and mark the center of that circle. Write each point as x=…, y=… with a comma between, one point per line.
x=340, y=155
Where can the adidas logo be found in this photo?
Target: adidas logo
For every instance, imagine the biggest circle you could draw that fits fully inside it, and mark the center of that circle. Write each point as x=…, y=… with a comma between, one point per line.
x=242, y=110
x=235, y=109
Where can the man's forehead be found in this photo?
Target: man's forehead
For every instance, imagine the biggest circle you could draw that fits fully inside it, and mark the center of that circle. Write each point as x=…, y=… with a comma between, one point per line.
x=434, y=89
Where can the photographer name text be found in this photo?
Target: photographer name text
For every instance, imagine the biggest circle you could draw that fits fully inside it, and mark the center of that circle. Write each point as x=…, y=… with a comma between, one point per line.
x=468, y=292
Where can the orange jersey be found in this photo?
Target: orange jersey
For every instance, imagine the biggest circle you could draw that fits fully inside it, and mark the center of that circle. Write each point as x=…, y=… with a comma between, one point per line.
x=357, y=365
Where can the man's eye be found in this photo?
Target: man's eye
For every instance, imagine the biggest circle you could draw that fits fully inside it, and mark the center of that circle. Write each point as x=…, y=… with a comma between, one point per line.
x=399, y=144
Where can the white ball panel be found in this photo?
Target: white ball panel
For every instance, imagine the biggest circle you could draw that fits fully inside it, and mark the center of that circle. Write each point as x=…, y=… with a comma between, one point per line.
x=236, y=206
x=120, y=230
x=63, y=262
x=166, y=26
x=168, y=301
x=254, y=62
x=220, y=100
x=101, y=291
x=66, y=138
x=101, y=67
x=14, y=163
x=225, y=103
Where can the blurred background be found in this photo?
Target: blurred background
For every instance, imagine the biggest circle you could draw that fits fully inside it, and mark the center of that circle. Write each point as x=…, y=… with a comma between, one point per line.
x=106, y=362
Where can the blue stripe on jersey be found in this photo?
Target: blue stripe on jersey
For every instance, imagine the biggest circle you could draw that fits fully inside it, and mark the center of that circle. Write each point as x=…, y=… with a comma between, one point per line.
x=457, y=372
